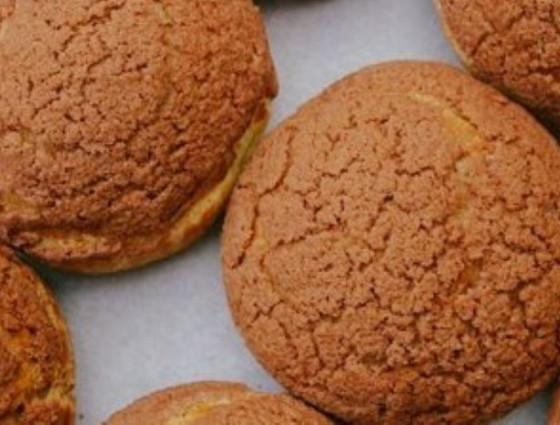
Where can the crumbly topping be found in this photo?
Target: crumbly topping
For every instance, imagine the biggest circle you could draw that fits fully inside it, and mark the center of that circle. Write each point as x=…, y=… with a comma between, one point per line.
x=116, y=116
x=513, y=45
x=36, y=364
x=392, y=252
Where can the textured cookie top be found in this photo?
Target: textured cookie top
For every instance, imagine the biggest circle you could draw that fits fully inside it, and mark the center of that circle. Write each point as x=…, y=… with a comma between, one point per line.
x=392, y=252
x=116, y=116
x=36, y=364
x=512, y=44
x=216, y=404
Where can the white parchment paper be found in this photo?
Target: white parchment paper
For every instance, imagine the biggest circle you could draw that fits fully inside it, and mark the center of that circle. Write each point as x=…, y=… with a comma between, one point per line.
x=169, y=324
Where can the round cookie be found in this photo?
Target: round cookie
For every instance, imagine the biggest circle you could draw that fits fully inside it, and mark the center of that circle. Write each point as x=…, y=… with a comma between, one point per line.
x=216, y=403
x=36, y=360
x=391, y=252
x=124, y=124
x=512, y=44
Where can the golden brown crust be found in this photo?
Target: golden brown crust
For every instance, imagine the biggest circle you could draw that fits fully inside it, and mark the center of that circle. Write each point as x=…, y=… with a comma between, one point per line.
x=131, y=119
x=216, y=403
x=392, y=251
x=36, y=361
x=511, y=44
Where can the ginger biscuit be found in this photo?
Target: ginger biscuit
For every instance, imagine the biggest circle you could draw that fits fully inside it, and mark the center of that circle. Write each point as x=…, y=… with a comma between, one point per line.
x=391, y=253
x=511, y=44
x=36, y=360
x=216, y=403
x=124, y=124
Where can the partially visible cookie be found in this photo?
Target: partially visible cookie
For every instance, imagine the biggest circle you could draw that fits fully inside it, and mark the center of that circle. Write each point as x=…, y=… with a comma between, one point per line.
x=36, y=361
x=216, y=403
x=511, y=44
x=554, y=412
x=392, y=252
x=123, y=145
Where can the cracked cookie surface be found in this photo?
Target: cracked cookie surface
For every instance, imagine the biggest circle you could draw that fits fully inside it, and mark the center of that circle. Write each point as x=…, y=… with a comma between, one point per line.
x=36, y=361
x=216, y=403
x=512, y=44
x=120, y=118
x=391, y=253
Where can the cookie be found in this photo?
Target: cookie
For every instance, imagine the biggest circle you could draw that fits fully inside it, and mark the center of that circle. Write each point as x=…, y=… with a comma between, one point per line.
x=216, y=403
x=36, y=361
x=512, y=44
x=123, y=125
x=391, y=252
x=554, y=412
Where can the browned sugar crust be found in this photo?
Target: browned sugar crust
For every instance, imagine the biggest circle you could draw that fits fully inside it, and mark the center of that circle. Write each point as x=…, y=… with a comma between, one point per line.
x=391, y=253
x=216, y=403
x=36, y=362
x=512, y=44
x=117, y=116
